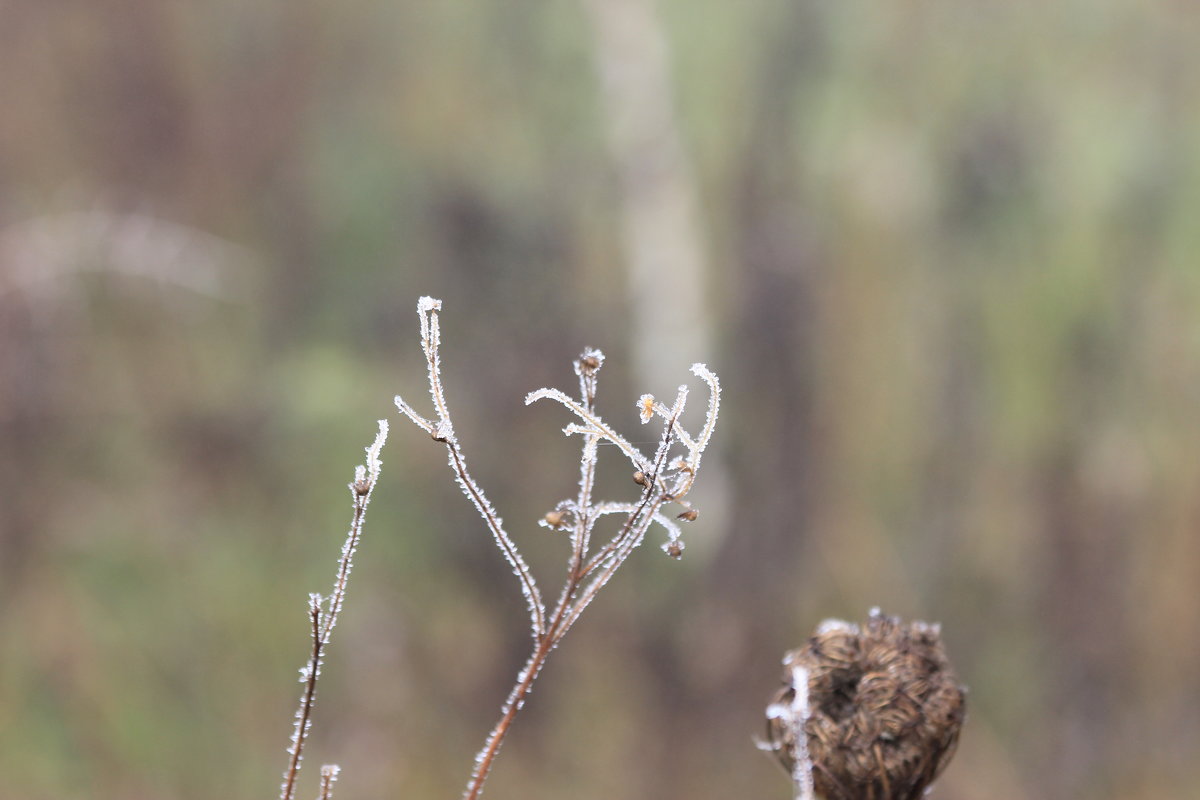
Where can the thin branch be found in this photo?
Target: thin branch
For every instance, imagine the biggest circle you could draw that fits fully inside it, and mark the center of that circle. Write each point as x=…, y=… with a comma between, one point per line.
x=529, y=587
x=597, y=425
x=329, y=776
x=308, y=675
x=443, y=431
x=587, y=366
x=634, y=529
x=322, y=622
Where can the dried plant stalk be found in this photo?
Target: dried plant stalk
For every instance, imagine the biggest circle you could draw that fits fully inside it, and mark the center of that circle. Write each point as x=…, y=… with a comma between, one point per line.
x=323, y=615
x=664, y=478
x=870, y=713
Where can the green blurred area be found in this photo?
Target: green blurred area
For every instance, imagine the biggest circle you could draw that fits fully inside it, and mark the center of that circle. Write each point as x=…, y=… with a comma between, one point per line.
x=955, y=295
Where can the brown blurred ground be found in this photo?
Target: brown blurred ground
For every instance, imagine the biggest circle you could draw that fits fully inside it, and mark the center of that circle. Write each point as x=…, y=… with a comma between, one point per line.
x=955, y=296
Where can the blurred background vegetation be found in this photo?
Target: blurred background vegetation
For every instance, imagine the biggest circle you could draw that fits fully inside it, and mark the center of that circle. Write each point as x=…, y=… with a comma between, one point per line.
x=944, y=260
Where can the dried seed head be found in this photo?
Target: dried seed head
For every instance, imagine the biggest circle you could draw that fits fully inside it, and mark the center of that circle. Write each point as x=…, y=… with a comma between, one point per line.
x=885, y=709
x=689, y=515
x=555, y=519
x=361, y=487
x=674, y=549
x=639, y=478
x=589, y=362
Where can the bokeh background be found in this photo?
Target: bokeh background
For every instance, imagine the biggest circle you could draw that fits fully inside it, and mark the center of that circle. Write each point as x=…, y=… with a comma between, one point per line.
x=942, y=254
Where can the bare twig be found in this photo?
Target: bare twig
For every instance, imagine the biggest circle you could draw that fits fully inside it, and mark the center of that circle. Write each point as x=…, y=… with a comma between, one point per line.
x=443, y=431
x=329, y=776
x=323, y=619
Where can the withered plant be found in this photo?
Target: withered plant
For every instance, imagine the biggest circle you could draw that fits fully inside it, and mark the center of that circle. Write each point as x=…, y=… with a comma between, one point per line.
x=869, y=712
x=323, y=616
x=664, y=479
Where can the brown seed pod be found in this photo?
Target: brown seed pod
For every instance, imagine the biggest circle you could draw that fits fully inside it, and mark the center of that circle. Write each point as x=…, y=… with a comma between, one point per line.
x=689, y=515
x=639, y=478
x=884, y=709
x=590, y=363
x=555, y=519
x=361, y=487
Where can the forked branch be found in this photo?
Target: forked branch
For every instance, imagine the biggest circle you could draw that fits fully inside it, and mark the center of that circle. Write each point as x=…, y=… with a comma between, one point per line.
x=663, y=478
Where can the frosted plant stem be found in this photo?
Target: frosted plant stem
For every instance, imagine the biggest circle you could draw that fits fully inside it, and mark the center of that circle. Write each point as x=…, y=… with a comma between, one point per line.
x=322, y=622
x=565, y=615
x=529, y=587
x=443, y=431
x=802, y=777
x=329, y=775
x=516, y=698
x=304, y=713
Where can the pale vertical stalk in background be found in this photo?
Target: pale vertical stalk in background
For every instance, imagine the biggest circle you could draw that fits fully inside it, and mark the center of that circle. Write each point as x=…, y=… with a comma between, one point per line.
x=659, y=208
x=665, y=252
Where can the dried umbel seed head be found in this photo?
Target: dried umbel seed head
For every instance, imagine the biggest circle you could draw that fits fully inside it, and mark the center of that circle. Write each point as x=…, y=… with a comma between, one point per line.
x=883, y=714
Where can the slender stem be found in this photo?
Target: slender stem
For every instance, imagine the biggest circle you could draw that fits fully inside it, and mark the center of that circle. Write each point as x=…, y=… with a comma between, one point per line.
x=516, y=698
x=345, y=564
x=365, y=479
x=565, y=615
x=533, y=596
x=306, y=704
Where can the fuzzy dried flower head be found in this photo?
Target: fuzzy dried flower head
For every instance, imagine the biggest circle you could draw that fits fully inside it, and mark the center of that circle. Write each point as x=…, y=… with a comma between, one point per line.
x=883, y=711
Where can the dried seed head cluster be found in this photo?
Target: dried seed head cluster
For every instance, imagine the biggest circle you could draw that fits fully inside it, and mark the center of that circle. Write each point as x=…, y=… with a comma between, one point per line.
x=882, y=713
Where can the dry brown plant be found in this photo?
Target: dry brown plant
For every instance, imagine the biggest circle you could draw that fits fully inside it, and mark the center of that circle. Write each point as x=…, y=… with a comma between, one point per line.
x=866, y=712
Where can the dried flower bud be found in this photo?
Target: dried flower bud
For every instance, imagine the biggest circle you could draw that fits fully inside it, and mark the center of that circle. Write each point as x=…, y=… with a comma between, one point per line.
x=884, y=709
x=639, y=478
x=555, y=519
x=361, y=487
x=646, y=407
x=674, y=549
x=589, y=363
x=689, y=515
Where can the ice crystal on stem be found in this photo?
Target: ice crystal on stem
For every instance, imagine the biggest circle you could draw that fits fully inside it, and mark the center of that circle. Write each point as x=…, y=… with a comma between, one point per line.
x=663, y=479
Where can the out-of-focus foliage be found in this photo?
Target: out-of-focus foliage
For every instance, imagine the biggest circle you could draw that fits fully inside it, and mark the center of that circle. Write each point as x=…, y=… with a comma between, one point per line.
x=956, y=292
